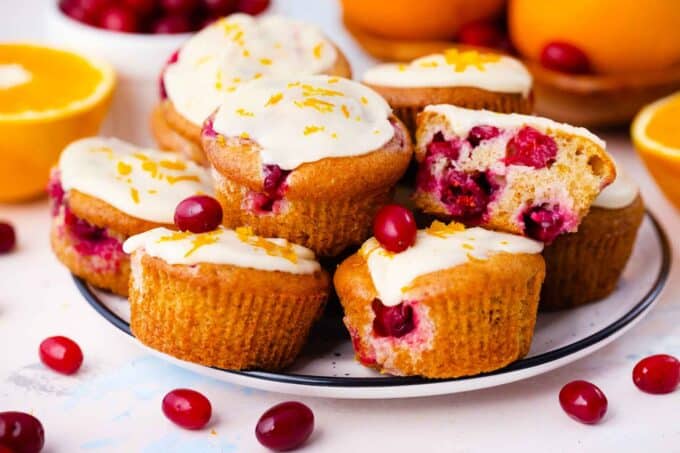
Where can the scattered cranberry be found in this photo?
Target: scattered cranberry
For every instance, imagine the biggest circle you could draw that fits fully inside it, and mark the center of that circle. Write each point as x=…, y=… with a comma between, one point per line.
x=394, y=321
x=187, y=408
x=395, y=228
x=21, y=432
x=285, y=426
x=143, y=7
x=583, y=402
x=220, y=7
x=441, y=147
x=119, y=18
x=184, y=7
x=8, y=238
x=480, y=133
x=483, y=34
x=61, y=354
x=171, y=25
x=198, y=214
x=466, y=196
x=253, y=7
x=531, y=148
x=565, y=57
x=657, y=374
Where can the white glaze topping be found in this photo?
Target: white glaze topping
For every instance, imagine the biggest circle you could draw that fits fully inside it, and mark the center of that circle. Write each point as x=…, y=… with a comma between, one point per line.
x=461, y=120
x=451, y=68
x=223, y=246
x=436, y=248
x=619, y=194
x=143, y=183
x=237, y=49
x=13, y=75
x=306, y=119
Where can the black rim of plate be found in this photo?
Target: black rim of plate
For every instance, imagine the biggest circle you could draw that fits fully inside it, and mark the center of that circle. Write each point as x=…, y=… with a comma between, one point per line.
x=390, y=381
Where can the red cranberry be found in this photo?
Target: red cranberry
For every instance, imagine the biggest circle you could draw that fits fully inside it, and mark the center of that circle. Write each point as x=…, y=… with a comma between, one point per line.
x=274, y=180
x=61, y=354
x=171, y=25
x=466, y=196
x=82, y=16
x=583, y=402
x=56, y=192
x=119, y=18
x=220, y=7
x=94, y=8
x=394, y=321
x=8, y=238
x=184, y=7
x=395, y=228
x=564, y=57
x=143, y=7
x=198, y=214
x=543, y=223
x=531, y=148
x=657, y=374
x=187, y=408
x=285, y=426
x=480, y=133
x=483, y=34
x=439, y=147
x=21, y=432
x=161, y=83
x=253, y=7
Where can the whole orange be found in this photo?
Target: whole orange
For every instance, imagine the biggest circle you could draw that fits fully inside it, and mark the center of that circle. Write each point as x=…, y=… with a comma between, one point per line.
x=617, y=35
x=418, y=19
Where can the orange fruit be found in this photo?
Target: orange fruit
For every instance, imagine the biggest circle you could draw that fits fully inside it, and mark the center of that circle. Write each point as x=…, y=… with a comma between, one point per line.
x=617, y=35
x=656, y=136
x=418, y=19
x=48, y=98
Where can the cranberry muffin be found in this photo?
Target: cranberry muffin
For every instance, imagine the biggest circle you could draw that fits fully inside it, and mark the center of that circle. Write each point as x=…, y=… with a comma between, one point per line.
x=104, y=190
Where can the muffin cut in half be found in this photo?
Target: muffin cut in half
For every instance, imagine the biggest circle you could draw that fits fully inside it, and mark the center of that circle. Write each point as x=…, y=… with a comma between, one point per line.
x=217, y=60
x=585, y=266
x=104, y=190
x=470, y=79
x=224, y=298
x=515, y=173
x=458, y=302
x=309, y=159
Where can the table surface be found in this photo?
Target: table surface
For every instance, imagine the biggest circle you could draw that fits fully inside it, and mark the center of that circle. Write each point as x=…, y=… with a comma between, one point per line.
x=113, y=403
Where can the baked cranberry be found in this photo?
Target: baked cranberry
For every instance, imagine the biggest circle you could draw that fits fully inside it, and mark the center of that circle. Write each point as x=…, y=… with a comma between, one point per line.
x=394, y=321
x=21, y=432
x=187, y=408
x=56, y=192
x=208, y=130
x=274, y=180
x=119, y=18
x=220, y=7
x=8, y=238
x=657, y=374
x=365, y=356
x=466, y=196
x=395, y=228
x=184, y=7
x=198, y=214
x=439, y=147
x=564, y=57
x=483, y=34
x=480, y=133
x=543, y=223
x=583, y=402
x=171, y=25
x=253, y=7
x=61, y=354
x=143, y=7
x=285, y=426
x=531, y=148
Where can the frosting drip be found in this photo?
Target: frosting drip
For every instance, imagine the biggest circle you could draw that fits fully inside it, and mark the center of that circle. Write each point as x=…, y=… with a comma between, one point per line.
x=237, y=49
x=223, y=246
x=143, y=183
x=306, y=119
x=436, y=248
x=452, y=68
x=619, y=194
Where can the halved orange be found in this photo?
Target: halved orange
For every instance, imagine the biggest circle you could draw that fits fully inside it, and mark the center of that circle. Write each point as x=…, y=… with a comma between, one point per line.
x=48, y=98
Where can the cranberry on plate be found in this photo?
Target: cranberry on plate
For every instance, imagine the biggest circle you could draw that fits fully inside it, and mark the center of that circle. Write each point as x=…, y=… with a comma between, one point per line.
x=583, y=401
x=395, y=228
x=564, y=57
x=285, y=426
x=8, y=237
x=657, y=374
x=61, y=354
x=21, y=433
x=198, y=214
x=187, y=408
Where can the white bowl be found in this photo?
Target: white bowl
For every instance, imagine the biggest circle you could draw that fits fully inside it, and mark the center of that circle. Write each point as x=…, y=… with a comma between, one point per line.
x=138, y=60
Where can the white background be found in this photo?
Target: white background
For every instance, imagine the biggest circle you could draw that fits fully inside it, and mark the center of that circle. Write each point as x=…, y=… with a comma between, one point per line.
x=113, y=403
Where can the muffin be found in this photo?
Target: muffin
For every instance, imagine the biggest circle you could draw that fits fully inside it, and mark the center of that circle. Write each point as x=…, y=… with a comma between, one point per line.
x=458, y=302
x=309, y=159
x=224, y=298
x=585, y=266
x=467, y=79
x=104, y=190
x=515, y=173
x=225, y=54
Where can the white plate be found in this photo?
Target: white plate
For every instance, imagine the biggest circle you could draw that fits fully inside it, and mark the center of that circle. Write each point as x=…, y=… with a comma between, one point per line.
x=327, y=367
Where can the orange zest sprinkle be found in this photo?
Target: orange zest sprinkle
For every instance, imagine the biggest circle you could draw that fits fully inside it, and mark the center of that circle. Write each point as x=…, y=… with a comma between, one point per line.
x=463, y=60
x=175, y=179
x=309, y=130
x=317, y=104
x=152, y=191
x=175, y=236
x=202, y=239
x=468, y=246
x=345, y=111
x=244, y=112
x=220, y=140
x=265, y=61
x=150, y=167
x=123, y=168
x=103, y=149
x=246, y=53
x=309, y=90
x=173, y=165
x=364, y=100
x=442, y=230
x=244, y=135
x=134, y=193
x=140, y=156
x=274, y=99
x=246, y=235
x=333, y=80
x=293, y=84
x=317, y=50
x=257, y=76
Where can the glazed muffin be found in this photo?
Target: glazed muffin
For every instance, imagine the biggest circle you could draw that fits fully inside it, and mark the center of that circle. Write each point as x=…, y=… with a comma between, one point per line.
x=104, y=190
x=309, y=159
x=585, y=266
x=515, y=173
x=469, y=79
x=217, y=60
x=458, y=302
x=224, y=298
